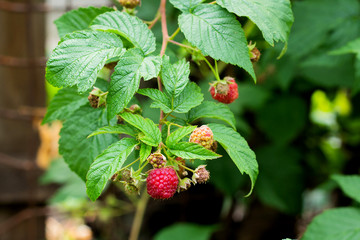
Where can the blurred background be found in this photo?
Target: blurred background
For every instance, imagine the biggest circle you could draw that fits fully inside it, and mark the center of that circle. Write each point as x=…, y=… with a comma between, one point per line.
x=302, y=119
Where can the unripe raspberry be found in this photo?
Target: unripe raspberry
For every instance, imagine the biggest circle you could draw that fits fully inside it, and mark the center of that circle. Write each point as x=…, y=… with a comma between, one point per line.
x=131, y=188
x=225, y=91
x=129, y=3
x=136, y=109
x=201, y=175
x=157, y=160
x=203, y=136
x=96, y=98
x=255, y=55
x=184, y=184
x=182, y=172
x=162, y=183
x=214, y=146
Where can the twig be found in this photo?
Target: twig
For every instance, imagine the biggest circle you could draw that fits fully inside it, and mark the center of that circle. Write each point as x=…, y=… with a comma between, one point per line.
x=139, y=215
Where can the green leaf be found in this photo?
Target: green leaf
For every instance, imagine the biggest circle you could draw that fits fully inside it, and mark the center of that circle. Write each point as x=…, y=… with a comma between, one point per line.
x=188, y=99
x=349, y=184
x=129, y=27
x=106, y=164
x=145, y=151
x=178, y=134
x=217, y=33
x=212, y=110
x=187, y=231
x=335, y=224
x=72, y=186
x=79, y=59
x=79, y=151
x=161, y=99
x=175, y=77
x=78, y=19
x=152, y=134
x=238, y=149
x=282, y=118
x=117, y=129
x=270, y=185
x=65, y=102
x=350, y=47
x=185, y=5
x=189, y=150
x=150, y=67
x=126, y=79
x=273, y=17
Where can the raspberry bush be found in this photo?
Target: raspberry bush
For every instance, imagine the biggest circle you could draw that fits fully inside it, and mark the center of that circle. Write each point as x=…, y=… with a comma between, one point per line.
x=106, y=56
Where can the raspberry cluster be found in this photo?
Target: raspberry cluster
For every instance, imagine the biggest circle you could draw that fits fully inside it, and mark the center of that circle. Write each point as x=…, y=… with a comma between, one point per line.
x=162, y=183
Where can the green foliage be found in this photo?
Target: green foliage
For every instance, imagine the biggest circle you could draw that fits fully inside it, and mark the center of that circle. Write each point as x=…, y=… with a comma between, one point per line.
x=145, y=151
x=65, y=102
x=72, y=185
x=349, y=184
x=151, y=134
x=175, y=77
x=280, y=188
x=185, y=5
x=238, y=150
x=78, y=59
x=118, y=129
x=335, y=224
x=217, y=33
x=129, y=27
x=126, y=79
x=188, y=150
x=107, y=164
x=283, y=118
x=212, y=110
x=273, y=17
x=78, y=150
x=78, y=19
x=188, y=231
x=179, y=134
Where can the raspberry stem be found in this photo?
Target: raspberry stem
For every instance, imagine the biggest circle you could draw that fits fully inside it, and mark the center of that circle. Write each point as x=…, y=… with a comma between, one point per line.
x=129, y=164
x=212, y=69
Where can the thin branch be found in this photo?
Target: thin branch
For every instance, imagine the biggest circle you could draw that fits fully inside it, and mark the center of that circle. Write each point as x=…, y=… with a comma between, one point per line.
x=184, y=46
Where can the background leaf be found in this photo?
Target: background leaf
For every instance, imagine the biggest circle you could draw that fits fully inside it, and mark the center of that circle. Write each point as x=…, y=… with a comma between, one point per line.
x=106, y=164
x=238, y=150
x=78, y=19
x=78, y=59
x=349, y=184
x=145, y=151
x=129, y=27
x=212, y=110
x=187, y=231
x=335, y=224
x=217, y=33
x=273, y=17
x=79, y=151
x=281, y=180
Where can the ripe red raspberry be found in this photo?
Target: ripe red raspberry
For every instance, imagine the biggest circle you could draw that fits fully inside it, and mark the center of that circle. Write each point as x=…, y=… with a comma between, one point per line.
x=225, y=91
x=157, y=160
x=162, y=183
x=203, y=136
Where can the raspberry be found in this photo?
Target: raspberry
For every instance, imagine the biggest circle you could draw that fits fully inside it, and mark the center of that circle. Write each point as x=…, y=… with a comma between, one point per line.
x=129, y=3
x=182, y=172
x=201, y=175
x=225, y=91
x=203, y=136
x=162, y=183
x=255, y=55
x=157, y=160
x=136, y=109
x=97, y=98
